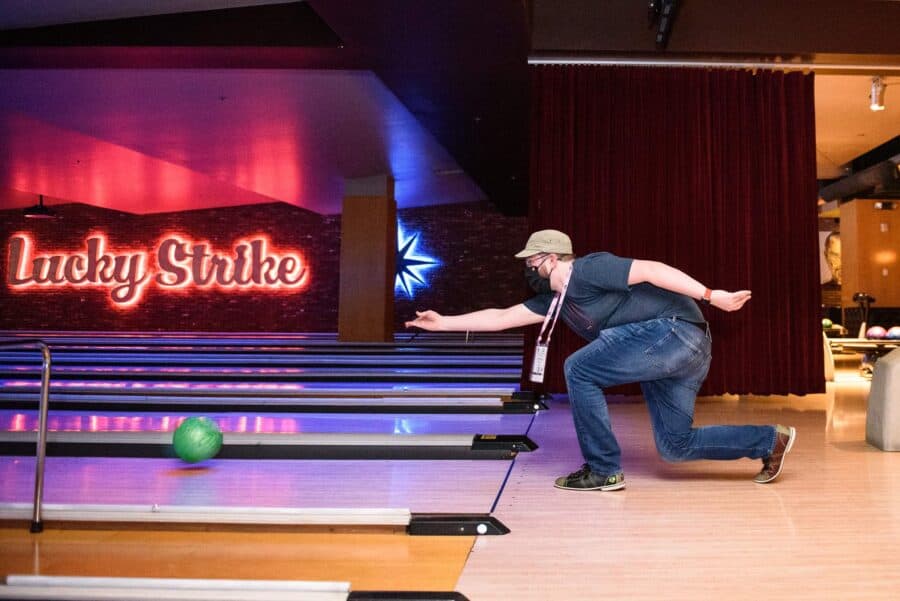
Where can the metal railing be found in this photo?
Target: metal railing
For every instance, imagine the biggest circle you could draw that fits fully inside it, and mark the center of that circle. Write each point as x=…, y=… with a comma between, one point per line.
x=41, y=447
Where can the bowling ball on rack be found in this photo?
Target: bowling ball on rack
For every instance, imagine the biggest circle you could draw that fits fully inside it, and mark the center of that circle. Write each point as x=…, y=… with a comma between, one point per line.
x=197, y=439
x=876, y=333
x=827, y=324
x=893, y=333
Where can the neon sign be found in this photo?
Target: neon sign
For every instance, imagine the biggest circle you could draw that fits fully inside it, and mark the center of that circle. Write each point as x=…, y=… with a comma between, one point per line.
x=178, y=263
x=411, y=263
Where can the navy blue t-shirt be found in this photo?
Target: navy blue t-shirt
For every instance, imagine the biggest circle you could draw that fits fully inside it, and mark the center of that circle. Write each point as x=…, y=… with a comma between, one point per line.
x=599, y=297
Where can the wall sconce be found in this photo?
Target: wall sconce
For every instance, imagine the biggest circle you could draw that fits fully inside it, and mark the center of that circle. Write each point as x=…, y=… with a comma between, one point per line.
x=876, y=94
x=39, y=211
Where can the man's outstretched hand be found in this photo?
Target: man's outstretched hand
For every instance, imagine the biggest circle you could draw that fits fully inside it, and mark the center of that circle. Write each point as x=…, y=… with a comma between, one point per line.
x=427, y=320
x=729, y=301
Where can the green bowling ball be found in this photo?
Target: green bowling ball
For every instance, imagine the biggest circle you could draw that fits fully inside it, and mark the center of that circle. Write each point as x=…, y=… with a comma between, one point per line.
x=197, y=439
x=826, y=324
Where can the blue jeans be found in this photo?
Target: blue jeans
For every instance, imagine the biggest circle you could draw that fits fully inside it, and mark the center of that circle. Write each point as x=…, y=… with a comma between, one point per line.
x=670, y=359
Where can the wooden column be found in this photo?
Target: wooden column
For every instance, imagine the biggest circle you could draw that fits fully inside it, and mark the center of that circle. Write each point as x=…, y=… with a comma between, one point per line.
x=870, y=251
x=368, y=249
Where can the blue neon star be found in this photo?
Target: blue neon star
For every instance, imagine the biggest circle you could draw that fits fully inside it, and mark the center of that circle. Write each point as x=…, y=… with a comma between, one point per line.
x=411, y=263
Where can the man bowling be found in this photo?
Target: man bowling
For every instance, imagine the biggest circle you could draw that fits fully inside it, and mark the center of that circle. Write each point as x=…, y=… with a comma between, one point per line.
x=642, y=324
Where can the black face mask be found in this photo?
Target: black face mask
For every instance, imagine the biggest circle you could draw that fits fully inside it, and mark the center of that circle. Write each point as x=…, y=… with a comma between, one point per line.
x=536, y=282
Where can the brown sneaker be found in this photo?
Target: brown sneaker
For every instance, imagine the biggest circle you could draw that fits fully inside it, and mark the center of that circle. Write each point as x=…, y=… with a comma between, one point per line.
x=784, y=440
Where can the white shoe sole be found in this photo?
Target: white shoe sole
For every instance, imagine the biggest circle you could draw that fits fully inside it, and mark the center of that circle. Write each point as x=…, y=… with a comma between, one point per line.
x=618, y=486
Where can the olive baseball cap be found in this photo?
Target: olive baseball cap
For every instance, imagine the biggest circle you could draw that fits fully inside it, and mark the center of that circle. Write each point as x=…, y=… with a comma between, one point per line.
x=546, y=241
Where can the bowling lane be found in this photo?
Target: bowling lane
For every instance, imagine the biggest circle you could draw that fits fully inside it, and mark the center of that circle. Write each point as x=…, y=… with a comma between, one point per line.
x=348, y=387
x=268, y=423
x=254, y=396
x=456, y=486
x=313, y=374
x=283, y=340
x=66, y=361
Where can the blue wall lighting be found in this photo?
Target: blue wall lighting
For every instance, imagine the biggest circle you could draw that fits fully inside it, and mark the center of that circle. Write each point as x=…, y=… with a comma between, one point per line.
x=412, y=263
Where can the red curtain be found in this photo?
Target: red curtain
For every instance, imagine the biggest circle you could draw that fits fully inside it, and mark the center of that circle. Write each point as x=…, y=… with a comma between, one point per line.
x=712, y=171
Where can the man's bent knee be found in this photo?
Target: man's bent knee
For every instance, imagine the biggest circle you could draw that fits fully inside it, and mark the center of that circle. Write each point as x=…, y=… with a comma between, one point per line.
x=674, y=449
x=570, y=367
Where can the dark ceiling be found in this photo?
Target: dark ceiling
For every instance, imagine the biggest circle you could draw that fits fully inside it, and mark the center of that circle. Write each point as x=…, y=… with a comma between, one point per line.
x=446, y=111
x=459, y=69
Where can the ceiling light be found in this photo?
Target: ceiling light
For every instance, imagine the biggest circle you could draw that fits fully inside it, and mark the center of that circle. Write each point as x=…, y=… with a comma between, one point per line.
x=876, y=95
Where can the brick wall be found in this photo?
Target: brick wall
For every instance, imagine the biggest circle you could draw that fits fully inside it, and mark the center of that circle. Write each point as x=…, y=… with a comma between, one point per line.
x=473, y=243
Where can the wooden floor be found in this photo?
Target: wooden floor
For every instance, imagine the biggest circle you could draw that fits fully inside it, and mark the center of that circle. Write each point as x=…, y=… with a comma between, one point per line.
x=368, y=560
x=829, y=528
